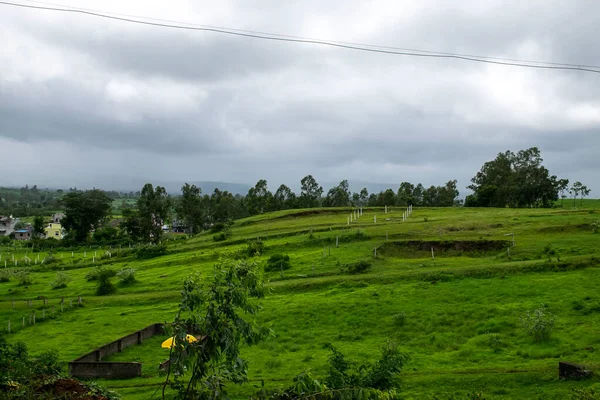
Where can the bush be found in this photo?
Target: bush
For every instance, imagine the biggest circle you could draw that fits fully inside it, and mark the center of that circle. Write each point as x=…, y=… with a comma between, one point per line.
x=357, y=267
x=151, y=251
x=255, y=248
x=400, y=319
x=495, y=342
x=224, y=235
x=126, y=275
x=5, y=275
x=105, y=286
x=538, y=323
x=50, y=260
x=61, y=281
x=596, y=227
x=95, y=273
x=278, y=262
x=221, y=226
x=24, y=277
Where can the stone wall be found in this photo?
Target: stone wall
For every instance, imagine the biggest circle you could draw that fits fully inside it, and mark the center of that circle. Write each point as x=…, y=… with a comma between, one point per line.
x=90, y=365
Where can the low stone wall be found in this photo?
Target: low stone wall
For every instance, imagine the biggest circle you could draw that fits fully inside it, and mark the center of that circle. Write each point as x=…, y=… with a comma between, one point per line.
x=90, y=365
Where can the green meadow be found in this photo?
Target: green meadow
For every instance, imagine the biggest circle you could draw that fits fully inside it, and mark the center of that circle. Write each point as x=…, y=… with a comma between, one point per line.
x=457, y=312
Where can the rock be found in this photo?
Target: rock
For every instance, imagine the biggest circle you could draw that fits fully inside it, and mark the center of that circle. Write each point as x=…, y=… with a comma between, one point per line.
x=570, y=371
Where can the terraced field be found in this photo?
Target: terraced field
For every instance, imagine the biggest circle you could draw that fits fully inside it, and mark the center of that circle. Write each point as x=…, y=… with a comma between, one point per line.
x=460, y=308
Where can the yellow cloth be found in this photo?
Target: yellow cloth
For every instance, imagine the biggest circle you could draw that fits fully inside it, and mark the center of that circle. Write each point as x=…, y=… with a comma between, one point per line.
x=167, y=344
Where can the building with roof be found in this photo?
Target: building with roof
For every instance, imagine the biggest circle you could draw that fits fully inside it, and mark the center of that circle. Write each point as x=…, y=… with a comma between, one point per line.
x=22, y=234
x=53, y=231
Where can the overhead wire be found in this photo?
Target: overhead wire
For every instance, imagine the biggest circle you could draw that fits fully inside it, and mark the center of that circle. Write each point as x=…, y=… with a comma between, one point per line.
x=298, y=39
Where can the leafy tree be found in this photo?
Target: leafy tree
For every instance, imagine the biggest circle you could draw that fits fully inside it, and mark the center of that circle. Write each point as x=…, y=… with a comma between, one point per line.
x=213, y=310
x=515, y=180
x=38, y=227
x=189, y=208
x=579, y=189
x=417, y=195
x=562, y=187
x=284, y=198
x=84, y=212
x=363, y=198
x=310, y=192
x=405, y=194
x=259, y=198
x=153, y=207
x=338, y=196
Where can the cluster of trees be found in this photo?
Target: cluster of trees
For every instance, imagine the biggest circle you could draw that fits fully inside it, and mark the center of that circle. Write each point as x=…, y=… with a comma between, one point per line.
x=519, y=180
x=28, y=201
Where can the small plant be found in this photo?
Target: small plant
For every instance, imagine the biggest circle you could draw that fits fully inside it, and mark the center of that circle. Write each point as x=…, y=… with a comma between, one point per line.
x=151, y=251
x=495, y=342
x=127, y=276
x=357, y=267
x=95, y=273
x=538, y=323
x=61, y=281
x=5, y=275
x=24, y=277
x=223, y=235
x=278, y=262
x=50, y=260
x=105, y=286
x=425, y=219
x=585, y=394
x=255, y=248
x=596, y=227
x=400, y=319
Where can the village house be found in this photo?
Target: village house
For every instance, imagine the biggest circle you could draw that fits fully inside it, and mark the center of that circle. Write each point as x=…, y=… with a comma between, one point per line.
x=23, y=234
x=53, y=230
x=7, y=225
x=57, y=218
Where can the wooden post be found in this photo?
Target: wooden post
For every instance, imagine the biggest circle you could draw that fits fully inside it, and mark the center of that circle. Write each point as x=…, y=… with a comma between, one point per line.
x=508, y=250
x=375, y=252
x=374, y=219
x=432, y=256
x=337, y=240
x=348, y=220
x=386, y=208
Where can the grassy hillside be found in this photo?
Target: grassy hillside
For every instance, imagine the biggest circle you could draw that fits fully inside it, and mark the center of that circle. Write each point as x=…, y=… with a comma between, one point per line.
x=458, y=314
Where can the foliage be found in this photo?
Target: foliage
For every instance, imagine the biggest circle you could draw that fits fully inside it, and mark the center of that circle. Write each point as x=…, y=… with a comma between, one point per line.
x=61, y=281
x=595, y=227
x=223, y=235
x=148, y=251
x=400, y=319
x=126, y=276
x=585, y=394
x=278, y=262
x=213, y=310
x=85, y=211
x=145, y=224
x=310, y=192
x=259, y=199
x=106, y=234
x=284, y=198
x=5, y=275
x=514, y=180
x=255, y=247
x=579, y=189
x=189, y=208
x=96, y=272
x=538, y=323
x=105, y=285
x=339, y=196
x=358, y=267
x=24, y=277
x=38, y=227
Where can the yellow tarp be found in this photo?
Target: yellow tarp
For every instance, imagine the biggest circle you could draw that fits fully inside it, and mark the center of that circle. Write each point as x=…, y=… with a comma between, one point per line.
x=167, y=344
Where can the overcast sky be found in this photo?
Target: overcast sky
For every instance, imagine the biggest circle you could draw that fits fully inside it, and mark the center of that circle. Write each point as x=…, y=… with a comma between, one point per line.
x=92, y=102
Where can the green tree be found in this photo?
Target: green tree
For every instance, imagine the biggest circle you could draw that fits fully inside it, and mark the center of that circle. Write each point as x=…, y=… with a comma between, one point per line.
x=189, y=208
x=215, y=309
x=405, y=194
x=338, y=196
x=153, y=207
x=84, y=212
x=310, y=192
x=259, y=199
x=514, y=180
x=38, y=227
x=284, y=198
x=363, y=198
x=562, y=187
x=579, y=189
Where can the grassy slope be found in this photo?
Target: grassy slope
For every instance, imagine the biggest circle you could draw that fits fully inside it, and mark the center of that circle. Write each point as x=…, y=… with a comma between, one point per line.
x=448, y=324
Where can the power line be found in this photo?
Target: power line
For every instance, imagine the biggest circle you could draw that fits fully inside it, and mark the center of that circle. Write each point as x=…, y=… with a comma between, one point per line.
x=314, y=39
x=344, y=45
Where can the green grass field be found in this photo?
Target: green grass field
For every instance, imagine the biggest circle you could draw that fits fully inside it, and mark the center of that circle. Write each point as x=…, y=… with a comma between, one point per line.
x=461, y=308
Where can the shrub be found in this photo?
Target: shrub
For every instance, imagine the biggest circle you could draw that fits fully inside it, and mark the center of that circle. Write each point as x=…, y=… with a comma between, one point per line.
x=590, y=393
x=61, y=281
x=255, y=247
x=150, y=251
x=224, y=235
x=596, y=227
x=357, y=267
x=50, y=260
x=95, y=273
x=400, y=319
x=221, y=226
x=5, y=275
x=538, y=323
x=278, y=262
x=24, y=277
x=126, y=275
x=495, y=342
x=105, y=286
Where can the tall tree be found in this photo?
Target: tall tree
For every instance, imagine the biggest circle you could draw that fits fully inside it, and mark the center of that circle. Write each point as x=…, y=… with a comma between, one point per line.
x=338, y=196
x=153, y=208
x=284, y=198
x=405, y=194
x=514, y=180
x=189, y=208
x=84, y=212
x=363, y=198
x=259, y=198
x=562, y=187
x=579, y=189
x=38, y=227
x=310, y=192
